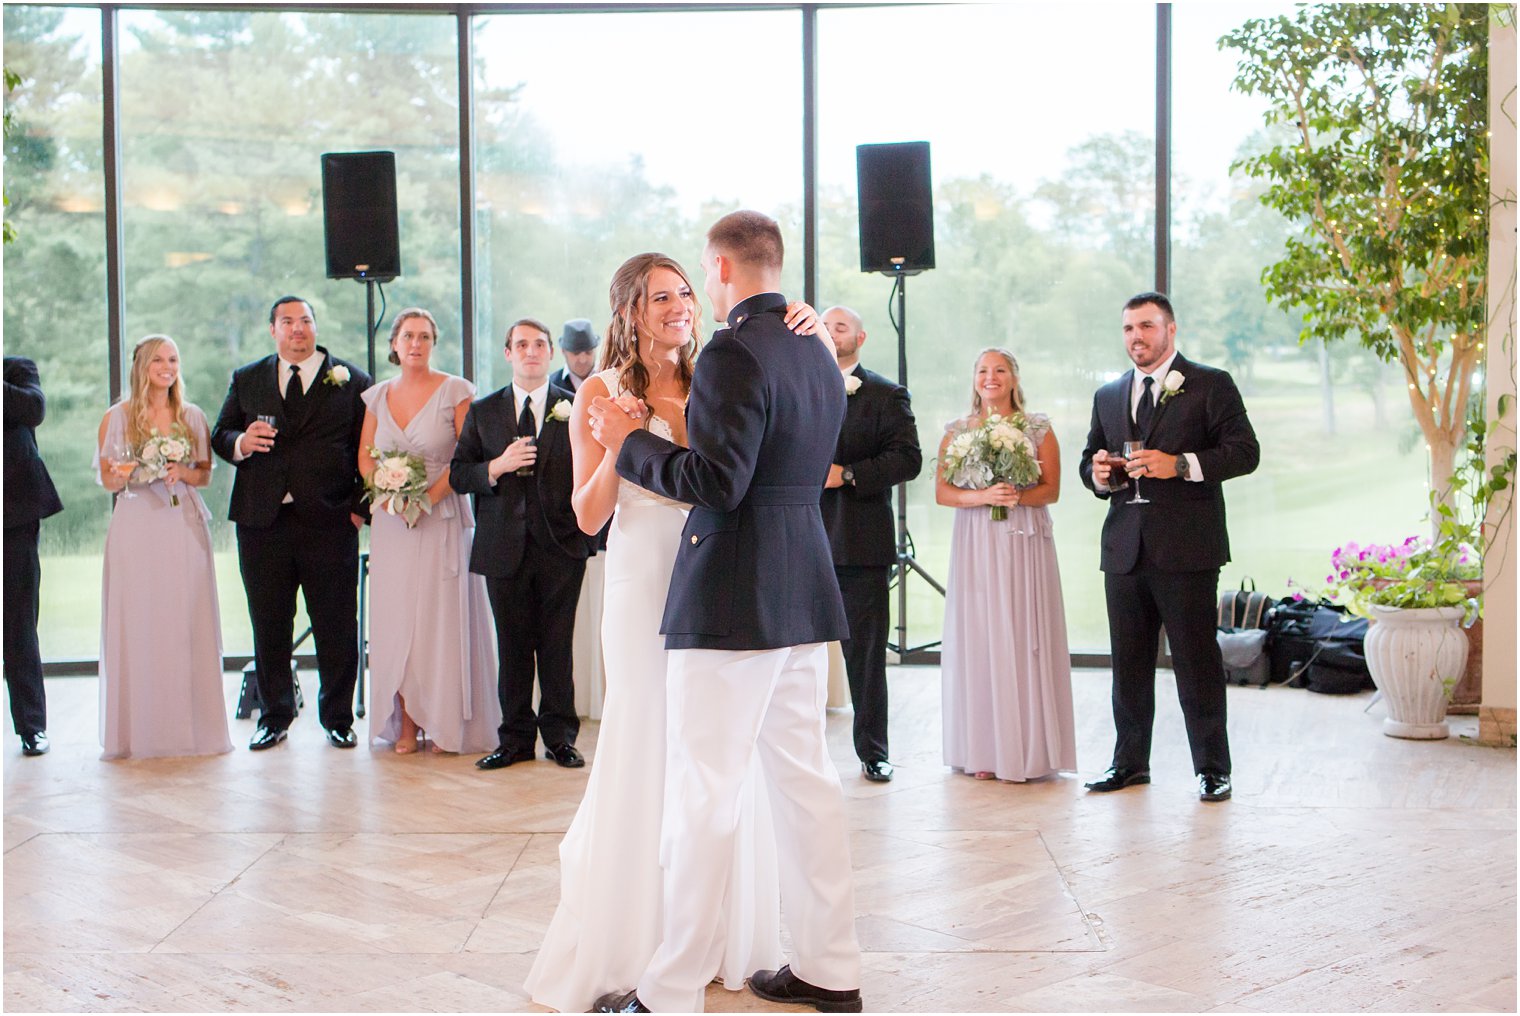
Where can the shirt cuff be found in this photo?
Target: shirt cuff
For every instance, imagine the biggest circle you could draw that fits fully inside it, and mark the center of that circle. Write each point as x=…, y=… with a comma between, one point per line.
x=1195, y=471
x=238, y=455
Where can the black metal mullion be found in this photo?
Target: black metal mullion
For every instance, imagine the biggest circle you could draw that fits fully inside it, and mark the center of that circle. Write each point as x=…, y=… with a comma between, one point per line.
x=466, y=32
x=1163, y=148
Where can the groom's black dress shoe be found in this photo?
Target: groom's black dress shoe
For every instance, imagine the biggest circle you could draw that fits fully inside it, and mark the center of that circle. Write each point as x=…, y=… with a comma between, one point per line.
x=35, y=744
x=1118, y=779
x=619, y=1001
x=565, y=755
x=784, y=986
x=503, y=757
x=267, y=737
x=1213, y=787
x=342, y=738
x=877, y=771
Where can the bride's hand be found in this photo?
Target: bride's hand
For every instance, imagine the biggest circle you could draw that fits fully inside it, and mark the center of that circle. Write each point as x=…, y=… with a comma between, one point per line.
x=635, y=408
x=802, y=318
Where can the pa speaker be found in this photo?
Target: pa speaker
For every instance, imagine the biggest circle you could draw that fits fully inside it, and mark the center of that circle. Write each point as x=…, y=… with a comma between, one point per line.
x=896, y=208
x=359, y=215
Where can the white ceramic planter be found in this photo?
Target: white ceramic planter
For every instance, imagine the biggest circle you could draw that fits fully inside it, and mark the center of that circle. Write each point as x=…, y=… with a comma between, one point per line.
x=1415, y=656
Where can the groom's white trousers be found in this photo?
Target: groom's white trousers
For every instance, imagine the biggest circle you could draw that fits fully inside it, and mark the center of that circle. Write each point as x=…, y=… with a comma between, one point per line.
x=721, y=707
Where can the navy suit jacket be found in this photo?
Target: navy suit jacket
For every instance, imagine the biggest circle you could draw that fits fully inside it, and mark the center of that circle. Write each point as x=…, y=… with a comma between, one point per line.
x=29, y=492
x=1183, y=528
x=315, y=459
x=754, y=569
x=501, y=508
x=879, y=442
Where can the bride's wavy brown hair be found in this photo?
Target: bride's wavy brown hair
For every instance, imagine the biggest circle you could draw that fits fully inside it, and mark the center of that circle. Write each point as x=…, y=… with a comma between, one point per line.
x=629, y=299
x=1016, y=397
x=139, y=423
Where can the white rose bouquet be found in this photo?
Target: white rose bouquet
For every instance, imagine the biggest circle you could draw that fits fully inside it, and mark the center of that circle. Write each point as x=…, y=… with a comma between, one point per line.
x=398, y=485
x=161, y=451
x=998, y=451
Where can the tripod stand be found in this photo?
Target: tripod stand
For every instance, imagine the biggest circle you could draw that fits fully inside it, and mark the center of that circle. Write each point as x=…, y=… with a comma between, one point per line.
x=906, y=562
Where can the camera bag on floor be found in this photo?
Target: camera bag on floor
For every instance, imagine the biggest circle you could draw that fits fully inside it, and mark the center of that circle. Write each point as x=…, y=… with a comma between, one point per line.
x=1242, y=634
x=1243, y=607
x=1311, y=645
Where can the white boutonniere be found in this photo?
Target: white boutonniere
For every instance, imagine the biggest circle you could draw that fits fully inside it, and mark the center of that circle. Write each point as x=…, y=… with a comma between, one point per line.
x=1171, y=385
x=851, y=385
x=560, y=410
x=337, y=376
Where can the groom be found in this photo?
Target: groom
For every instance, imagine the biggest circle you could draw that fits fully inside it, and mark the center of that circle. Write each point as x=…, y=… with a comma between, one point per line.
x=752, y=603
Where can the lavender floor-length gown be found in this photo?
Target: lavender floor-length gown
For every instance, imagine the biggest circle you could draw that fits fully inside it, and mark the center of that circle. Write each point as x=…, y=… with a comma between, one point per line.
x=1005, y=666
x=431, y=637
x=160, y=627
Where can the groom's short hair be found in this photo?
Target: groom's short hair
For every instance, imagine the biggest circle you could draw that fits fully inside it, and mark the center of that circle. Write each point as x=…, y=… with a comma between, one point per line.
x=750, y=238
x=290, y=299
x=1159, y=299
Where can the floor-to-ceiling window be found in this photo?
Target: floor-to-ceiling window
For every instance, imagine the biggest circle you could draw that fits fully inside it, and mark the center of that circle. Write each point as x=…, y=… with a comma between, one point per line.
x=603, y=135
x=55, y=293
x=1040, y=121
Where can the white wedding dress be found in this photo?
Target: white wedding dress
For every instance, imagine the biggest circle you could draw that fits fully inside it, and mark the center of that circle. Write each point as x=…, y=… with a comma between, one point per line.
x=607, y=925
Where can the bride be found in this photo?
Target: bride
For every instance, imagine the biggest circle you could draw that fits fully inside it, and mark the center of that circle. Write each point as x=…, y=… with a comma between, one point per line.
x=607, y=925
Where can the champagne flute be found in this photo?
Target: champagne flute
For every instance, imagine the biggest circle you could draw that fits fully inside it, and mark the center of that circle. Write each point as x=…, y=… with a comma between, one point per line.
x=118, y=455
x=1130, y=448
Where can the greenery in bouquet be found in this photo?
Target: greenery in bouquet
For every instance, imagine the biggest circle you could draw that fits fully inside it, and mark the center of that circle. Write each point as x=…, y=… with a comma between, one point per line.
x=398, y=485
x=998, y=451
x=160, y=451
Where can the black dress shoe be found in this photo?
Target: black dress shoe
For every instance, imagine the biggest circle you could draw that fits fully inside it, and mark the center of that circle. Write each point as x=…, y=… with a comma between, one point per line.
x=567, y=756
x=1213, y=787
x=267, y=737
x=784, y=986
x=879, y=771
x=342, y=738
x=503, y=757
x=619, y=1001
x=35, y=744
x=1118, y=779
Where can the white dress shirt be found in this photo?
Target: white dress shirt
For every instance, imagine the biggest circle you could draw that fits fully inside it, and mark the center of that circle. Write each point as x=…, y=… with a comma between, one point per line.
x=538, y=397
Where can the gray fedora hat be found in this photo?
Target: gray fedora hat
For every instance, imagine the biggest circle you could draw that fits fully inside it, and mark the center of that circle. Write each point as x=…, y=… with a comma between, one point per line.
x=578, y=336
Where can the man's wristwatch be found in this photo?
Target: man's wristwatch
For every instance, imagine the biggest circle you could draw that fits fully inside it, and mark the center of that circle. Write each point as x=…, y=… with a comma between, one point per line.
x=1183, y=468
x=847, y=476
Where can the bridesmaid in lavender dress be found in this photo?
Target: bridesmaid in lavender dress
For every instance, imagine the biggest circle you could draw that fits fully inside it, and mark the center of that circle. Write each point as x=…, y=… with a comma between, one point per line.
x=160, y=638
x=1005, y=668
x=432, y=644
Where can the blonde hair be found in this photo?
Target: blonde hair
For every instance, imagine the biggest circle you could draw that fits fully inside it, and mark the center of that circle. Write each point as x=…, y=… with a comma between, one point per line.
x=629, y=298
x=1016, y=397
x=139, y=420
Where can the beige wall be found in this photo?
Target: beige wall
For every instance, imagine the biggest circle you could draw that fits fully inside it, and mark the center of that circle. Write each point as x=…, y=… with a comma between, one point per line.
x=1498, y=710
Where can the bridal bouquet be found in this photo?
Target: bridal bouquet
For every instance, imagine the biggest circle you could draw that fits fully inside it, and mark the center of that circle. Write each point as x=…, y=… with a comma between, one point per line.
x=998, y=451
x=398, y=485
x=161, y=451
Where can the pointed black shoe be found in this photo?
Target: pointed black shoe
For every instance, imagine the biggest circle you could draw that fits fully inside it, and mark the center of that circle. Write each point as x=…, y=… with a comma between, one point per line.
x=35, y=744
x=1213, y=787
x=267, y=737
x=878, y=771
x=618, y=1001
x=1118, y=779
x=786, y=987
x=342, y=737
x=503, y=757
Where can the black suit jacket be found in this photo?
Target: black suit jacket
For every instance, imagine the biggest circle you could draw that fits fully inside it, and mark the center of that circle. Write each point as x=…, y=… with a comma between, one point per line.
x=879, y=442
x=29, y=491
x=754, y=569
x=1183, y=528
x=314, y=459
x=562, y=378
x=501, y=519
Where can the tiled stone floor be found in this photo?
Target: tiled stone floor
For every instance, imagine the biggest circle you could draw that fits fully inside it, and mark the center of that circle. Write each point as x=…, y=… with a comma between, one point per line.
x=1351, y=872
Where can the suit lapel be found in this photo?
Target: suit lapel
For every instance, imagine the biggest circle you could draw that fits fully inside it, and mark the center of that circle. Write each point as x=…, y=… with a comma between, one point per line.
x=1121, y=409
x=1161, y=404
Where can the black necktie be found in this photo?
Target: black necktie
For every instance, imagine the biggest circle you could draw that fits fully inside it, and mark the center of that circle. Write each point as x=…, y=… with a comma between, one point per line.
x=1146, y=407
x=525, y=426
x=295, y=395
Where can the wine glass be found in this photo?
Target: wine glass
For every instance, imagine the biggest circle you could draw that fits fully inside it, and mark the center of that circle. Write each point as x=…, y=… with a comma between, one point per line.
x=118, y=455
x=1130, y=448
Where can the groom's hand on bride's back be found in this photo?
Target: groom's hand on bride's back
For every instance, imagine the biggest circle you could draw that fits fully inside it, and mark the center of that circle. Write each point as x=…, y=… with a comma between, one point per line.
x=610, y=423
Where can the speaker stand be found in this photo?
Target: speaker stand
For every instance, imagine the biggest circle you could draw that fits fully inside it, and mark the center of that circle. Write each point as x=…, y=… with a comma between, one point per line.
x=371, y=322
x=906, y=562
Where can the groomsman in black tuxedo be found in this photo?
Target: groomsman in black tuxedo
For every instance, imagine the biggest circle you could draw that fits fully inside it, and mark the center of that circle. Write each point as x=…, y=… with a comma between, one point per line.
x=29, y=498
x=290, y=424
x=514, y=456
x=1161, y=559
x=577, y=343
x=877, y=450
